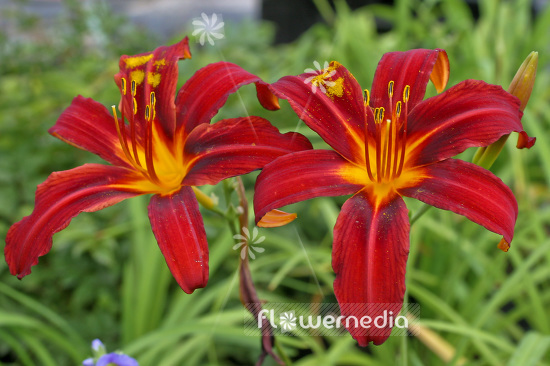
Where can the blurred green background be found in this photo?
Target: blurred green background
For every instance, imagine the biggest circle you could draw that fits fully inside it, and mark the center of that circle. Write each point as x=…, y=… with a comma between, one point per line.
x=106, y=278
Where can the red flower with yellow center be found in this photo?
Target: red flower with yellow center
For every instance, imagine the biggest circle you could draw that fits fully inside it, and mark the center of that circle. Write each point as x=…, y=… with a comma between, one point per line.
x=158, y=147
x=387, y=144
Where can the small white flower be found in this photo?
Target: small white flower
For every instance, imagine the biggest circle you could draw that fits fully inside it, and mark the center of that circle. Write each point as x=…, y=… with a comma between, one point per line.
x=247, y=241
x=319, y=77
x=287, y=321
x=208, y=28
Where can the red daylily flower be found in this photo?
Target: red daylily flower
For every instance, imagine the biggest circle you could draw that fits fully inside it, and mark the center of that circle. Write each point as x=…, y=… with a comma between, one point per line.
x=388, y=145
x=164, y=149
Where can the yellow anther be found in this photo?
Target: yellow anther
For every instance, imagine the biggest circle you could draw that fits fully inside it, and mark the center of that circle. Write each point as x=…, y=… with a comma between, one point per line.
x=135, y=105
x=152, y=99
x=376, y=114
x=398, y=109
x=133, y=88
x=366, y=96
x=381, y=115
x=390, y=88
x=406, y=93
x=123, y=82
x=147, y=113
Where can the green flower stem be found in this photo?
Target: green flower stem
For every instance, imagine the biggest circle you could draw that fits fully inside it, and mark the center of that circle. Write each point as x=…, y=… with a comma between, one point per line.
x=419, y=213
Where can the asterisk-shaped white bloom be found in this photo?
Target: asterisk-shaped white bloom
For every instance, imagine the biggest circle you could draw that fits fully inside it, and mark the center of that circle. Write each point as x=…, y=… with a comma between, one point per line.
x=208, y=28
x=319, y=77
x=246, y=242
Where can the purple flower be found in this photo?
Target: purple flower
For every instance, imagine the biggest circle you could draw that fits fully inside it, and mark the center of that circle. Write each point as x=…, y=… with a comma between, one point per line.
x=117, y=359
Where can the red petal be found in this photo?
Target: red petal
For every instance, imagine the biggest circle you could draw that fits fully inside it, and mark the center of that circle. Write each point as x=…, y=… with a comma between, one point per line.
x=236, y=146
x=178, y=227
x=472, y=113
x=468, y=190
x=413, y=68
x=157, y=72
x=276, y=218
x=267, y=99
x=524, y=141
x=88, y=125
x=338, y=116
x=206, y=92
x=300, y=176
x=370, y=250
x=61, y=197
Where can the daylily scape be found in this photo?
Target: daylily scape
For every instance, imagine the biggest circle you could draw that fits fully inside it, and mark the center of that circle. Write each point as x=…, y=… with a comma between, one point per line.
x=161, y=144
x=388, y=143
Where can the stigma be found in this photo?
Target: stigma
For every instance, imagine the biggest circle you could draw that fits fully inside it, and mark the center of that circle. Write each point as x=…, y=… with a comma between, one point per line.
x=385, y=145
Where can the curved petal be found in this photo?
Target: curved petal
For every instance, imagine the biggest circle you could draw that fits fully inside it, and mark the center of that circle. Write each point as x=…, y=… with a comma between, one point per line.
x=61, y=197
x=153, y=72
x=300, y=176
x=468, y=190
x=200, y=98
x=472, y=113
x=337, y=114
x=88, y=125
x=369, y=257
x=179, y=229
x=276, y=218
x=413, y=68
x=236, y=146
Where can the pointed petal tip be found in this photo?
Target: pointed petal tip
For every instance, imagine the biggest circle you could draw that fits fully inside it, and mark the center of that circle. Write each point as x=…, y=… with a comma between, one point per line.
x=186, y=52
x=524, y=141
x=441, y=71
x=267, y=99
x=276, y=218
x=503, y=245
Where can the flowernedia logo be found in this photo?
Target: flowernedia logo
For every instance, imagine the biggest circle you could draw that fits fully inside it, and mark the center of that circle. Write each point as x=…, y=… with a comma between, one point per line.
x=303, y=319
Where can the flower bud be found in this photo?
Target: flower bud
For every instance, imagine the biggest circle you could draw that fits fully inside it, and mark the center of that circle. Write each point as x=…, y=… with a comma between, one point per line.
x=520, y=87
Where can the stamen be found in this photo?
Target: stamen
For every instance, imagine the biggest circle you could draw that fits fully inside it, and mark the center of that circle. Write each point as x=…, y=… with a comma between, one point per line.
x=123, y=82
x=132, y=125
x=397, y=135
x=406, y=94
x=149, y=148
x=390, y=89
x=391, y=134
x=385, y=127
x=122, y=139
x=366, y=97
x=367, y=157
x=153, y=101
x=378, y=143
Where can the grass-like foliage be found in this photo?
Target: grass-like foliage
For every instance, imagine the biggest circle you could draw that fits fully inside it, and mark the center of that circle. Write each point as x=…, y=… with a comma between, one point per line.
x=106, y=278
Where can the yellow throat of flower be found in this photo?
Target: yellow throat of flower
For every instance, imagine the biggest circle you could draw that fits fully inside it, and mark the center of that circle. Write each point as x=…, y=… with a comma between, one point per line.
x=157, y=161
